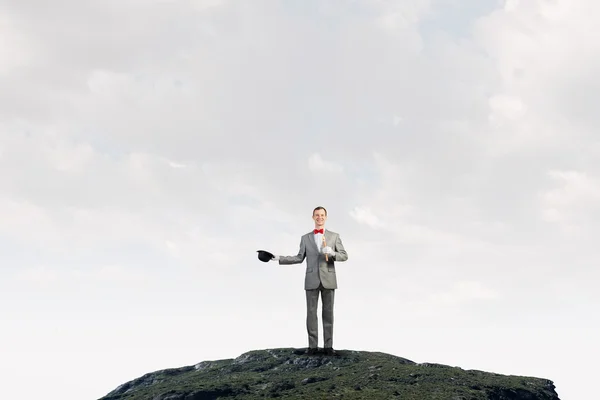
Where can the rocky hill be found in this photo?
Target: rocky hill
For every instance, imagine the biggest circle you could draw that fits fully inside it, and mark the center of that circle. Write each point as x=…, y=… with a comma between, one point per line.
x=289, y=374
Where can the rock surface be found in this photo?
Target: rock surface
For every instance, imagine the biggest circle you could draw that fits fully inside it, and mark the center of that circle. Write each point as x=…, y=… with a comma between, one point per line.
x=289, y=374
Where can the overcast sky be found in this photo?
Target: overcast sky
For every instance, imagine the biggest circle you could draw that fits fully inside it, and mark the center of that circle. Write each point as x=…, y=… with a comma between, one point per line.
x=149, y=148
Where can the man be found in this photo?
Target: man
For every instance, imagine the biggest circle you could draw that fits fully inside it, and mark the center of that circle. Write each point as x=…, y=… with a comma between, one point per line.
x=320, y=277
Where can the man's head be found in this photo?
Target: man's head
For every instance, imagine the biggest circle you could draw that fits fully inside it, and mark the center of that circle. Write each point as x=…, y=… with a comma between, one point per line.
x=319, y=216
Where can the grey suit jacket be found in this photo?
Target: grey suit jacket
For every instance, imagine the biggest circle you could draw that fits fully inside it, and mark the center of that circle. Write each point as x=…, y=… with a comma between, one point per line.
x=317, y=269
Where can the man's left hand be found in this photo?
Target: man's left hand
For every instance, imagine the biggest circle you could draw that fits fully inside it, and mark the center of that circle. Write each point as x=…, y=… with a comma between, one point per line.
x=328, y=250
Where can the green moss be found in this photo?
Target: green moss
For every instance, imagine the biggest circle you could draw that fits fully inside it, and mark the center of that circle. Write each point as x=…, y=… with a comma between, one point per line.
x=284, y=374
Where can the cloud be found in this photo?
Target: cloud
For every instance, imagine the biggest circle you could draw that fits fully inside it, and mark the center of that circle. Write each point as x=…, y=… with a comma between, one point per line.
x=462, y=292
x=573, y=202
x=511, y=108
x=318, y=165
x=207, y=4
x=15, y=49
x=39, y=276
x=544, y=58
x=366, y=216
x=578, y=189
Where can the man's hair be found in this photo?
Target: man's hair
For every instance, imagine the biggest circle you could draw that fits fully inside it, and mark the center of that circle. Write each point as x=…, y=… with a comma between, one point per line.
x=320, y=208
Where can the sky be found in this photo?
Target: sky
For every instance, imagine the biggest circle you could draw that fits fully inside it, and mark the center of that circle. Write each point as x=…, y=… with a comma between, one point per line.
x=148, y=149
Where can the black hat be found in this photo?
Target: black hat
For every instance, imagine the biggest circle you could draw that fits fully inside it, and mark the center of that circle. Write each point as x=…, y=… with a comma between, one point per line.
x=264, y=255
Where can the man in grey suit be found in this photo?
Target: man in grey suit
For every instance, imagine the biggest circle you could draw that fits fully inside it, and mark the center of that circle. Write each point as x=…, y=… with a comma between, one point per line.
x=320, y=277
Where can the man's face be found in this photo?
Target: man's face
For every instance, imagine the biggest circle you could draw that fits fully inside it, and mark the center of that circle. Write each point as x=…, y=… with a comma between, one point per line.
x=319, y=217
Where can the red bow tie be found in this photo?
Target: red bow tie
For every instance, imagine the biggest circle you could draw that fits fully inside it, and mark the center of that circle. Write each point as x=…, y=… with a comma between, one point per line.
x=318, y=231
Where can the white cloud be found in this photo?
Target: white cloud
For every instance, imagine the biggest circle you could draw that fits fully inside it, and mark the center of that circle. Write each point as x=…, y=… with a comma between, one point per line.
x=15, y=48
x=176, y=165
x=573, y=204
x=71, y=158
x=366, y=216
x=39, y=276
x=105, y=82
x=318, y=165
x=506, y=107
x=112, y=273
x=463, y=292
x=511, y=5
x=399, y=15
x=207, y=4
x=578, y=188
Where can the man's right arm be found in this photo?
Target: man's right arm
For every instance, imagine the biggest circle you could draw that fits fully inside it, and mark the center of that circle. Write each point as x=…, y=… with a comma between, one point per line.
x=297, y=259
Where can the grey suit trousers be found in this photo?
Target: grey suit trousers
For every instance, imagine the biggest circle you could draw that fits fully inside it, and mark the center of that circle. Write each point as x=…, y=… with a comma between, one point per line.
x=312, y=323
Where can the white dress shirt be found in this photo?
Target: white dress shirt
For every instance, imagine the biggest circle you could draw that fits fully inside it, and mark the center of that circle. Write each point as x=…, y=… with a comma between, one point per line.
x=318, y=240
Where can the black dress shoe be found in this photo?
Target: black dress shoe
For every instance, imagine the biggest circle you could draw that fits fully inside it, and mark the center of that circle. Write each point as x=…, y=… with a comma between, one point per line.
x=311, y=351
x=329, y=351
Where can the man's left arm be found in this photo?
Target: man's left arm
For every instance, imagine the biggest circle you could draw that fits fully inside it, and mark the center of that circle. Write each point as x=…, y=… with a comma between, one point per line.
x=340, y=253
